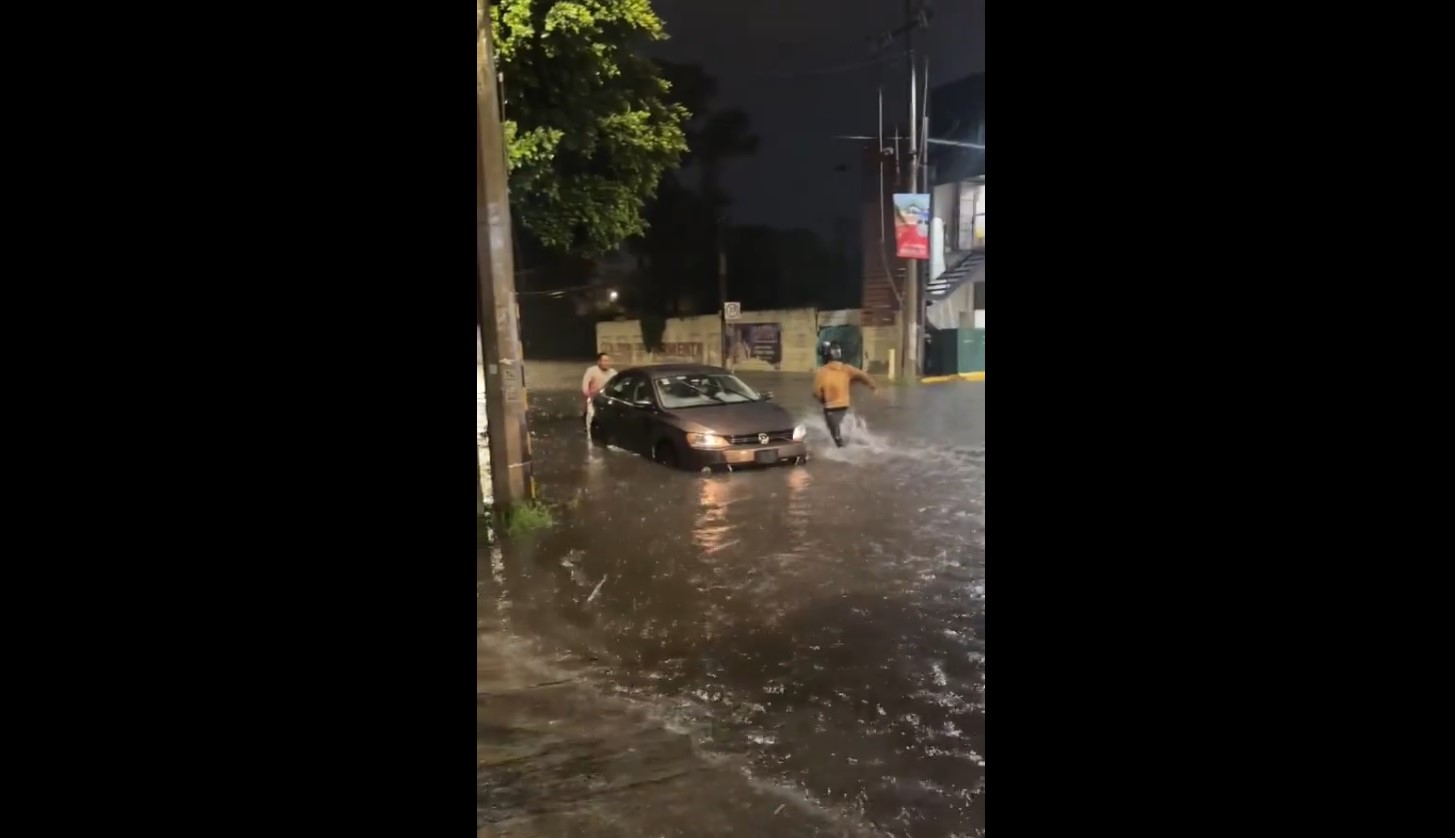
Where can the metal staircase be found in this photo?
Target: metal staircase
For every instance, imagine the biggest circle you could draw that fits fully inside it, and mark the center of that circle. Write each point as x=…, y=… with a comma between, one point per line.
x=967, y=264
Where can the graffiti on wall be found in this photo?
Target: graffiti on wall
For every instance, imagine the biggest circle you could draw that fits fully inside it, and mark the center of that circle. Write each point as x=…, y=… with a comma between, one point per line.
x=680, y=352
x=784, y=340
x=672, y=352
x=748, y=342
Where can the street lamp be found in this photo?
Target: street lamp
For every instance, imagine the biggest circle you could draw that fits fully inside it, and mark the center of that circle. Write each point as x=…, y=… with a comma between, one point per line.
x=612, y=296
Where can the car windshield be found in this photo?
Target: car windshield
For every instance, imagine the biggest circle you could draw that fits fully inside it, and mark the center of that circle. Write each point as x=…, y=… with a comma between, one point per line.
x=701, y=389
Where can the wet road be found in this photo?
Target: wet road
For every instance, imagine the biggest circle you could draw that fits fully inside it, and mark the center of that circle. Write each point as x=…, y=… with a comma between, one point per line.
x=823, y=622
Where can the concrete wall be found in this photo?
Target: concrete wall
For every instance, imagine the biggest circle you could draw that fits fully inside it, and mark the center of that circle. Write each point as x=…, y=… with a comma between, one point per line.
x=697, y=340
x=799, y=339
x=878, y=340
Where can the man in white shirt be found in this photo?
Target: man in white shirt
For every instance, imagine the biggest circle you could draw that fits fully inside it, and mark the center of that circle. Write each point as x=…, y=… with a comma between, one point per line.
x=595, y=378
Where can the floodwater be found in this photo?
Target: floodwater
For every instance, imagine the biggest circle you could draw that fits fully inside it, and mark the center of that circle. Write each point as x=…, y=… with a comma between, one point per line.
x=825, y=623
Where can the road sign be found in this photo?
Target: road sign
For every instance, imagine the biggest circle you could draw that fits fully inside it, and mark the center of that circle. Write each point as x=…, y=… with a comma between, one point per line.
x=732, y=311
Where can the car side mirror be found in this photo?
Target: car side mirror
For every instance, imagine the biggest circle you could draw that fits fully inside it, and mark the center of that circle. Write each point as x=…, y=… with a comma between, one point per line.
x=644, y=404
x=766, y=396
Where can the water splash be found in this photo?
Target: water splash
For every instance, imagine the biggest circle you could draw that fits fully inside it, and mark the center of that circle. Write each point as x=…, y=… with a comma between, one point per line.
x=865, y=446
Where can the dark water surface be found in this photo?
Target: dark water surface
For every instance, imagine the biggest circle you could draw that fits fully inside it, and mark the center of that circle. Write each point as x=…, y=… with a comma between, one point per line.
x=825, y=621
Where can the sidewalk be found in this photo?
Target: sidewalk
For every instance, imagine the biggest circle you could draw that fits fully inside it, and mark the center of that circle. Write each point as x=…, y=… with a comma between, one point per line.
x=556, y=757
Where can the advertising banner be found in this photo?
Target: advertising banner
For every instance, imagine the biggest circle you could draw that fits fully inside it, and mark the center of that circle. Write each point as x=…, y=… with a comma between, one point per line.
x=747, y=342
x=911, y=226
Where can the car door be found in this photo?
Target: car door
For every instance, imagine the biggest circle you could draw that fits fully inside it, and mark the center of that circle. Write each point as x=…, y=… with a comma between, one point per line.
x=639, y=411
x=611, y=406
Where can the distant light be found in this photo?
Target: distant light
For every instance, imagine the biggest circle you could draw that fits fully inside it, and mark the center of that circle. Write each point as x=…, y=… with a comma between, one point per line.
x=613, y=296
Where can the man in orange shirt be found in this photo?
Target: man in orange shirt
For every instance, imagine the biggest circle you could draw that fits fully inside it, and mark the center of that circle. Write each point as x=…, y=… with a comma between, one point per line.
x=831, y=385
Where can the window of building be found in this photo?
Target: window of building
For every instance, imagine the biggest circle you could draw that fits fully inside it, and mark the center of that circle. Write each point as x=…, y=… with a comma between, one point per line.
x=970, y=229
x=979, y=233
x=965, y=228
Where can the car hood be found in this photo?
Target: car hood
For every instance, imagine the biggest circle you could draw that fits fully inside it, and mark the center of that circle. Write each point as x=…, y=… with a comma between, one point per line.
x=733, y=419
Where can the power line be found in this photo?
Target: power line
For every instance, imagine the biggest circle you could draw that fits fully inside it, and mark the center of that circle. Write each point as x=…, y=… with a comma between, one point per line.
x=558, y=292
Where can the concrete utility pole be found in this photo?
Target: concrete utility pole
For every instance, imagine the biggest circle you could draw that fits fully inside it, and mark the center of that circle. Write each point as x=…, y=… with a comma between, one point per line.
x=479, y=490
x=505, y=395
x=910, y=311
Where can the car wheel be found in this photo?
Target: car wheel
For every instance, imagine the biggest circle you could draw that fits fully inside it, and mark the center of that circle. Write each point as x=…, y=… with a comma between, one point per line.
x=665, y=453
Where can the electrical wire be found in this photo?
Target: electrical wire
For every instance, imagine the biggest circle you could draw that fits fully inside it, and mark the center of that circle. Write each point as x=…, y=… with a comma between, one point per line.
x=883, y=246
x=555, y=292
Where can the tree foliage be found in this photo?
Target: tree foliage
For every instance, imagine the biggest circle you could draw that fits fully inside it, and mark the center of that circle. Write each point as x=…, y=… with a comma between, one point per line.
x=589, y=124
x=769, y=268
x=714, y=136
x=679, y=249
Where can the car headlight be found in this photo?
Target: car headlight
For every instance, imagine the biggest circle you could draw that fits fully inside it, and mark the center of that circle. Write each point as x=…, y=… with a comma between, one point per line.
x=712, y=441
x=799, y=433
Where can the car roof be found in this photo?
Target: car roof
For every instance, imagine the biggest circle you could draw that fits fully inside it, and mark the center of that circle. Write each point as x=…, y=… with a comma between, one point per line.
x=659, y=370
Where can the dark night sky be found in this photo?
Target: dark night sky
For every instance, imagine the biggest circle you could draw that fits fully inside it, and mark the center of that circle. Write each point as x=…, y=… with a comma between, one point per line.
x=771, y=58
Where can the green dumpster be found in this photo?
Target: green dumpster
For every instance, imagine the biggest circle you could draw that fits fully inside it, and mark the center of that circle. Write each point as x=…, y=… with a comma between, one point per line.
x=970, y=354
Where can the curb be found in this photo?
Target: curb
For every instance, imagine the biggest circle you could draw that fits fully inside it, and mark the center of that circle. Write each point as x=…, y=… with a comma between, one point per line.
x=964, y=376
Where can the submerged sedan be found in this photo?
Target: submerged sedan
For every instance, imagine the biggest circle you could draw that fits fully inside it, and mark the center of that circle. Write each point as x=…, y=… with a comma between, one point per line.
x=695, y=416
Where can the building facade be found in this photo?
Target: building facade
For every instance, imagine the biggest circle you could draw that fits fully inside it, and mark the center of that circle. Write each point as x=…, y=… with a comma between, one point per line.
x=954, y=175
x=955, y=287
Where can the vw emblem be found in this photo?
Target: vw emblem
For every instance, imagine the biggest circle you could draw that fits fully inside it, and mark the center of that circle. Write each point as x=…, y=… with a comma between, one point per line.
x=762, y=439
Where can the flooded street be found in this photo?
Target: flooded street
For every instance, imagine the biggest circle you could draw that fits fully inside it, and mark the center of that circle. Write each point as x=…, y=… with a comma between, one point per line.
x=824, y=623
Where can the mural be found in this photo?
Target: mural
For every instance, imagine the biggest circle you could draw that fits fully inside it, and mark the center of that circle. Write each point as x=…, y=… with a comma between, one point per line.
x=746, y=343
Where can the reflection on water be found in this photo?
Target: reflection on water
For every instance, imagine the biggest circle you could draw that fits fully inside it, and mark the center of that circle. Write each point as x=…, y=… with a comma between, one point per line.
x=712, y=529
x=826, y=621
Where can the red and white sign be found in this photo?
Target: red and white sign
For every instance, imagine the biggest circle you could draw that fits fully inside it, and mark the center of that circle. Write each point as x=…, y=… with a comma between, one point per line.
x=911, y=226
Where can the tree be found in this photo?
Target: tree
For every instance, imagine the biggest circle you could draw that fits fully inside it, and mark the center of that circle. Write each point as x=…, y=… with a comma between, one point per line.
x=676, y=254
x=679, y=249
x=769, y=268
x=589, y=126
x=713, y=136
x=723, y=136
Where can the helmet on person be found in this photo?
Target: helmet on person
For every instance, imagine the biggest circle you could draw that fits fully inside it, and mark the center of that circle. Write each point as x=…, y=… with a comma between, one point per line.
x=833, y=352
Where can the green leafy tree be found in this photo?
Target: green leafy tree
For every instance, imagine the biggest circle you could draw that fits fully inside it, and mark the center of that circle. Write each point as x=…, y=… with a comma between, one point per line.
x=589, y=124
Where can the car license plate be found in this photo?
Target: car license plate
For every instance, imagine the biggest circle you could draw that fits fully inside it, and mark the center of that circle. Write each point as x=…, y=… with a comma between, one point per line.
x=768, y=456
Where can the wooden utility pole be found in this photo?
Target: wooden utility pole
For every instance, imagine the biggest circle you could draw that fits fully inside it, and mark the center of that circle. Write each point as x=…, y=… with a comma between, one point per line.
x=505, y=395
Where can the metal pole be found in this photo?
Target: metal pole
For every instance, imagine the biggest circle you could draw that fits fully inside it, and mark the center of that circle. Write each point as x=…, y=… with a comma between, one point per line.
x=910, y=309
x=924, y=167
x=722, y=291
x=505, y=395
